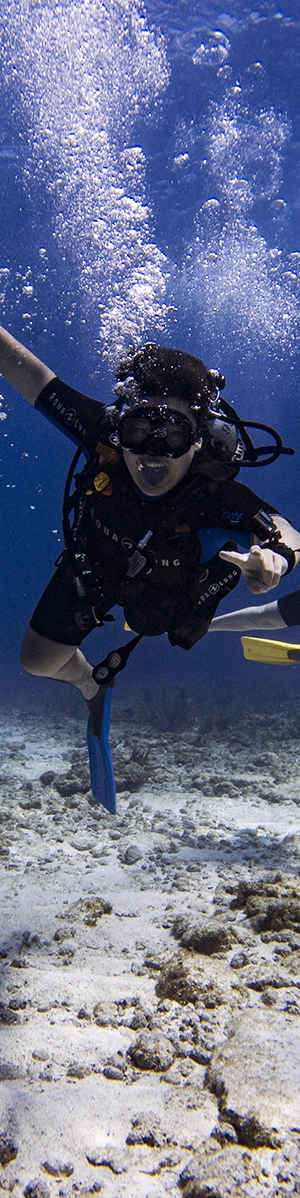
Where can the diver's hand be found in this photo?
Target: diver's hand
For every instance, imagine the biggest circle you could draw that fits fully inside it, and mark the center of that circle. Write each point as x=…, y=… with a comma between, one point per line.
x=262, y=568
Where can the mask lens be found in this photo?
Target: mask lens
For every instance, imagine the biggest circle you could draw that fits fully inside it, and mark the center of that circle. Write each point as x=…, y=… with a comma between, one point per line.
x=177, y=435
x=158, y=431
x=135, y=430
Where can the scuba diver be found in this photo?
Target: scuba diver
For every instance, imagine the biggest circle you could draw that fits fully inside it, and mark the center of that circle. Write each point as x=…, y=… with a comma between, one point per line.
x=155, y=522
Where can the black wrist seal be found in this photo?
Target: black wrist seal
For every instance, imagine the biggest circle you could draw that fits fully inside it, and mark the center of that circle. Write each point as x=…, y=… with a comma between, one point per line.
x=264, y=528
x=284, y=551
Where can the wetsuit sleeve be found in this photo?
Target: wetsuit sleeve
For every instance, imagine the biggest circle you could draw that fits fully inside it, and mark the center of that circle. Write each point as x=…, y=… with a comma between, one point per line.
x=82, y=419
x=237, y=510
x=237, y=505
x=289, y=607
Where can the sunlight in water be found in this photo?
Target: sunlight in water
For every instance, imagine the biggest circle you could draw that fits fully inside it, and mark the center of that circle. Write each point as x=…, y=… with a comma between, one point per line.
x=85, y=72
x=78, y=76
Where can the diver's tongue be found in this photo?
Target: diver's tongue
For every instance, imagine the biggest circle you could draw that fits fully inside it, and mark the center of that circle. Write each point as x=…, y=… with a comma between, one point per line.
x=153, y=476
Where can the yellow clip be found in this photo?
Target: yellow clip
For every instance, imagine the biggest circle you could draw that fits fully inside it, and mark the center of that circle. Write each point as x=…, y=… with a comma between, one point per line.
x=101, y=481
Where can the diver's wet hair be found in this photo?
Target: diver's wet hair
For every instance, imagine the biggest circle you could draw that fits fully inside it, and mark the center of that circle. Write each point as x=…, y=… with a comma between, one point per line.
x=160, y=371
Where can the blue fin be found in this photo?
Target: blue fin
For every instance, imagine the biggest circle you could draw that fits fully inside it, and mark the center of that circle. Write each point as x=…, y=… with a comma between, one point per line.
x=101, y=766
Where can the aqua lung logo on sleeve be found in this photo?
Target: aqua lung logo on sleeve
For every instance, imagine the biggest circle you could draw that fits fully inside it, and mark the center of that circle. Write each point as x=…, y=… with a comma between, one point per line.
x=71, y=421
x=68, y=415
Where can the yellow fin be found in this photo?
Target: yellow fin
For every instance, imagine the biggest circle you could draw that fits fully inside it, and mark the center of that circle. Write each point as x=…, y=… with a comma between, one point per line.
x=276, y=653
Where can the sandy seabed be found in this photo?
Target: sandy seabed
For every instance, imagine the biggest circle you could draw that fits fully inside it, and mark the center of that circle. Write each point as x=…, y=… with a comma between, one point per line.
x=149, y=962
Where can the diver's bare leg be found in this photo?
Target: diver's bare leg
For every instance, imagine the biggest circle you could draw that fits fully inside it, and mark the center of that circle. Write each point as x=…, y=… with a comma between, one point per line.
x=63, y=663
x=249, y=618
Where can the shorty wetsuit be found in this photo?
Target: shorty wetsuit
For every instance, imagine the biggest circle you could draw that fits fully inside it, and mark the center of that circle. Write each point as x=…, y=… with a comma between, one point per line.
x=188, y=526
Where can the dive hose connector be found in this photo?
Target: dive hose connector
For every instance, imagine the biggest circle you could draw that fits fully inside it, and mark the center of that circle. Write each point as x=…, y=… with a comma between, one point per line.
x=116, y=660
x=141, y=558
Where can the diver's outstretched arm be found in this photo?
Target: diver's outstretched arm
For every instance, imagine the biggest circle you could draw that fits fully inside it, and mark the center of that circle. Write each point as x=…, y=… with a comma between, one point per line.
x=21, y=368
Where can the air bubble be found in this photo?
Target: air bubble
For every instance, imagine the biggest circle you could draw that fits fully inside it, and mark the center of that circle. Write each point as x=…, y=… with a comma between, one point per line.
x=213, y=51
x=83, y=78
x=232, y=279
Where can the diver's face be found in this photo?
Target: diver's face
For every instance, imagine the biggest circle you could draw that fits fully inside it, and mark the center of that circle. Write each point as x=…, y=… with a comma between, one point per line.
x=156, y=474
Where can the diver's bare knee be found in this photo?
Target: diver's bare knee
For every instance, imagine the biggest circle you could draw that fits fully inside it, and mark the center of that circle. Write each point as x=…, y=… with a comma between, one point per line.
x=32, y=652
x=42, y=656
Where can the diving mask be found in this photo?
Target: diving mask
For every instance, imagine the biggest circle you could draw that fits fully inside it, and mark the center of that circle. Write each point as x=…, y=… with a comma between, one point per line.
x=156, y=431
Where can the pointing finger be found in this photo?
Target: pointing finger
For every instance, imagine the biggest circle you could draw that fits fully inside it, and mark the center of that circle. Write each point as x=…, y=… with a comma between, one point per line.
x=238, y=559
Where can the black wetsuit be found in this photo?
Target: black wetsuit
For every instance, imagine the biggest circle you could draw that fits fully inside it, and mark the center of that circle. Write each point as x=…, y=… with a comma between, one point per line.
x=184, y=578
x=289, y=607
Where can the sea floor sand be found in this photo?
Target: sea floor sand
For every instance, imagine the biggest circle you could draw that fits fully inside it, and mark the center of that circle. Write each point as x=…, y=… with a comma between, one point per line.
x=149, y=963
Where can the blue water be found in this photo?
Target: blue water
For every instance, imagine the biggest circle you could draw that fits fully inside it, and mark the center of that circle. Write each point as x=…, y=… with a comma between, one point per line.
x=149, y=158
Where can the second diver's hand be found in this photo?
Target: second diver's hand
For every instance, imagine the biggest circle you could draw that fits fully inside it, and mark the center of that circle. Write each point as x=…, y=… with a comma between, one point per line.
x=21, y=368
x=262, y=568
